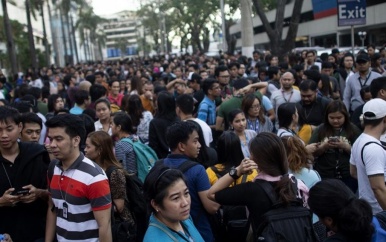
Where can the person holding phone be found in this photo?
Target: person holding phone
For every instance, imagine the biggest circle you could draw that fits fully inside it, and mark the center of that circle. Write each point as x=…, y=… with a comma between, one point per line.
x=335, y=137
x=23, y=181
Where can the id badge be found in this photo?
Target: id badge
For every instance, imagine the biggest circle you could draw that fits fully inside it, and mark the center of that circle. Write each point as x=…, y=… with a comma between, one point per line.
x=65, y=210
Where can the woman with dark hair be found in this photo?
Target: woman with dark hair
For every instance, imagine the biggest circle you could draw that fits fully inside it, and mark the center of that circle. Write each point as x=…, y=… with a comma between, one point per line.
x=254, y=114
x=229, y=155
x=344, y=71
x=335, y=137
x=325, y=87
x=140, y=117
x=169, y=200
x=207, y=156
x=268, y=155
x=376, y=63
x=103, y=112
x=99, y=148
x=342, y=212
x=136, y=86
x=237, y=123
x=55, y=103
x=115, y=97
x=121, y=128
x=288, y=118
x=165, y=116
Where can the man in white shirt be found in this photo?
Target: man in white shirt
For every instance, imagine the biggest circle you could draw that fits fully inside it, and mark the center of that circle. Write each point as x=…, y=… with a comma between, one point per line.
x=368, y=157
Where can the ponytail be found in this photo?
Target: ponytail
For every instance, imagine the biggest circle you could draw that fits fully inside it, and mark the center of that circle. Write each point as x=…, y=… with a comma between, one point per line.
x=286, y=189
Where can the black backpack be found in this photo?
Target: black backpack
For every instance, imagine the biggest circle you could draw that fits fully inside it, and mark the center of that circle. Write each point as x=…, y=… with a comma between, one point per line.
x=136, y=204
x=230, y=223
x=284, y=223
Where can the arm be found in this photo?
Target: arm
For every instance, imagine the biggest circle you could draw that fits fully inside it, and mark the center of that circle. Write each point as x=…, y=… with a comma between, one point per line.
x=377, y=183
x=353, y=171
x=261, y=86
x=219, y=123
x=226, y=180
x=103, y=218
x=51, y=221
x=210, y=206
x=203, y=112
x=170, y=85
x=271, y=114
x=347, y=95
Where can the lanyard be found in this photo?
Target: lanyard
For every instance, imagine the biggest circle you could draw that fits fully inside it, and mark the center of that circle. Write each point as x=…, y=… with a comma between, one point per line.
x=360, y=80
x=253, y=125
x=285, y=99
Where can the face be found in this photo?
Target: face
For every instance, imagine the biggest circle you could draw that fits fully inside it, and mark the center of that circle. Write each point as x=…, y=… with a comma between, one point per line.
x=370, y=51
x=63, y=147
x=363, y=66
x=234, y=71
x=192, y=146
x=348, y=62
x=327, y=71
x=336, y=119
x=122, y=85
x=204, y=75
x=177, y=72
x=148, y=88
x=367, y=97
x=115, y=88
x=180, y=88
x=9, y=133
x=256, y=57
x=128, y=85
x=254, y=109
x=239, y=122
x=223, y=78
x=98, y=79
x=287, y=80
x=30, y=133
x=241, y=70
x=215, y=91
x=308, y=96
x=295, y=117
x=114, y=128
x=331, y=59
x=310, y=58
x=91, y=151
x=102, y=111
x=176, y=204
x=262, y=76
x=59, y=104
x=274, y=61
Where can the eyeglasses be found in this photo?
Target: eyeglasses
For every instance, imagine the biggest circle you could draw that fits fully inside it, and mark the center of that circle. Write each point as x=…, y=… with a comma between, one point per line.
x=224, y=76
x=255, y=107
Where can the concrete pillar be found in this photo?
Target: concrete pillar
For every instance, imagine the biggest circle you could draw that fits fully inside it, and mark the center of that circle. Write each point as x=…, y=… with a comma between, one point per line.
x=246, y=27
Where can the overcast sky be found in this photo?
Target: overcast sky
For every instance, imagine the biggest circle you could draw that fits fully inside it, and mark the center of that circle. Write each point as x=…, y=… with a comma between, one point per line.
x=107, y=7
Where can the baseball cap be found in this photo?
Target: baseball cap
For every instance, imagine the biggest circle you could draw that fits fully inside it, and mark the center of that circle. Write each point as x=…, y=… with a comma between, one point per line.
x=374, y=109
x=335, y=51
x=362, y=58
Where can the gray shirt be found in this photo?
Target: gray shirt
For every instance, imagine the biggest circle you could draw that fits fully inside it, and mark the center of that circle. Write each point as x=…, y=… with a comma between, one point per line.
x=352, y=97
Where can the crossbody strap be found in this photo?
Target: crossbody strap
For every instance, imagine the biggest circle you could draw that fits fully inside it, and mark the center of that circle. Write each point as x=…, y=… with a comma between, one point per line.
x=165, y=231
x=371, y=142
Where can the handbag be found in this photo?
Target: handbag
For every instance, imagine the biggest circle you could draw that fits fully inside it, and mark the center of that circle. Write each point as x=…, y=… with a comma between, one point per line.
x=122, y=231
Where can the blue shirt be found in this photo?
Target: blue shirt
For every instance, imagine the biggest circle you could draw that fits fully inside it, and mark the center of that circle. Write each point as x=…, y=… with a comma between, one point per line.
x=124, y=152
x=76, y=110
x=197, y=181
x=158, y=231
x=207, y=111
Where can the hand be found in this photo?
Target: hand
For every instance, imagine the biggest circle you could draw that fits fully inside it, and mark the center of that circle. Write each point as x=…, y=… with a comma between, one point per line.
x=312, y=147
x=246, y=167
x=9, y=200
x=31, y=196
x=7, y=238
x=148, y=95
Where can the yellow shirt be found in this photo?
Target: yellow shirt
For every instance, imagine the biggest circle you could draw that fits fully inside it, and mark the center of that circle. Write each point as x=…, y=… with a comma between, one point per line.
x=213, y=177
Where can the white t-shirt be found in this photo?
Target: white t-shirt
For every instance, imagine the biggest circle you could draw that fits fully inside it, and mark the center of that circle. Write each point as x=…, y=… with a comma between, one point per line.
x=206, y=130
x=374, y=157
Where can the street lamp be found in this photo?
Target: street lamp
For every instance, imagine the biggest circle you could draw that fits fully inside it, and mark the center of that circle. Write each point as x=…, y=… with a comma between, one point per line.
x=362, y=35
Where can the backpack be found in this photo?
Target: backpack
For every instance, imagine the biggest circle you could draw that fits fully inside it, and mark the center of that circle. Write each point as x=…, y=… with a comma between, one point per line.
x=136, y=204
x=284, y=223
x=363, y=147
x=379, y=221
x=145, y=156
x=230, y=223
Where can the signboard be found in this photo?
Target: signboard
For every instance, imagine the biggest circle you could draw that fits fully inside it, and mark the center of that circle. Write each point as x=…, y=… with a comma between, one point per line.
x=351, y=12
x=324, y=8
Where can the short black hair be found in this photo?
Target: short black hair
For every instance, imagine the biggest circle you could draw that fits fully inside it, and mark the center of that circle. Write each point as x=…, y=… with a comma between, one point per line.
x=99, y=73
x=376, y=85
x=219, y=69
x=31, y=118
x=364, y=90
x=308, y=85
x=81, y=96
x=73, y=125
x=284, y=114
x=67, y=79
x=124, y=120
x=272, y=70
x=9, y=114
x=207, y=84
x=327, y=64
x=231, y=65
x=97, y=91
x=179, y=132
x=185, y=103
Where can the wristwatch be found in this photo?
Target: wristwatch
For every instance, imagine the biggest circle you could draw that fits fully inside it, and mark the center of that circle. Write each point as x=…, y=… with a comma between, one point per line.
x=233, y=173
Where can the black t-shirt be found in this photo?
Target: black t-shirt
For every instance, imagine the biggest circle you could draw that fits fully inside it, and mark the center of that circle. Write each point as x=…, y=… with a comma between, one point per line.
x=312, y=114
x=249, y=194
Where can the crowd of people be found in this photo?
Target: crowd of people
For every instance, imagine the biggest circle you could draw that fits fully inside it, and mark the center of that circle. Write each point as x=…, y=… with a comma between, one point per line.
x=241, y=120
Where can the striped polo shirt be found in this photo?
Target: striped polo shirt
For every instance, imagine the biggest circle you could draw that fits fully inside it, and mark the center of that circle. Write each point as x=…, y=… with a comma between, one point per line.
x=82, y=188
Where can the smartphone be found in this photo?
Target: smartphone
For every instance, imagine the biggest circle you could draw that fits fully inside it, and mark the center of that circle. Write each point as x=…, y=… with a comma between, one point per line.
x=333, y=139
x=22, y=192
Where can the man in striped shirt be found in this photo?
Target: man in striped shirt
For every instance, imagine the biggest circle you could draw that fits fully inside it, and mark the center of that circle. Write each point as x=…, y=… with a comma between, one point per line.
x=80, y=203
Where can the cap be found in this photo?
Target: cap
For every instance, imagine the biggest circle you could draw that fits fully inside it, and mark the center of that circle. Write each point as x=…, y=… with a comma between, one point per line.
x=312, y=75
x=362, y=58
x=335, y=51
x=374, y=109
x=240, y=83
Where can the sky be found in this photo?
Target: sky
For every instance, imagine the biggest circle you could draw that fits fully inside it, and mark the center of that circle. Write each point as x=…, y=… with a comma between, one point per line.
x=107, y=7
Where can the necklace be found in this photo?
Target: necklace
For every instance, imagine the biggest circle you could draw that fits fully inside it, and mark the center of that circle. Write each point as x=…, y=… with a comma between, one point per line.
x=65, y=205
x=305, y=112
x=6, y=173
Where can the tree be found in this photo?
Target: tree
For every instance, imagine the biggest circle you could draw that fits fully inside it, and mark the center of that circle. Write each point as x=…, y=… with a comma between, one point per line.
x=279, y=46
x=10, y=44
x=31, y=40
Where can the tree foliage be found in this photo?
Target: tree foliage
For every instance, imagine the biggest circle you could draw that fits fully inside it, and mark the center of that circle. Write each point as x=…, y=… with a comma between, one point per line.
x=278, y=45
